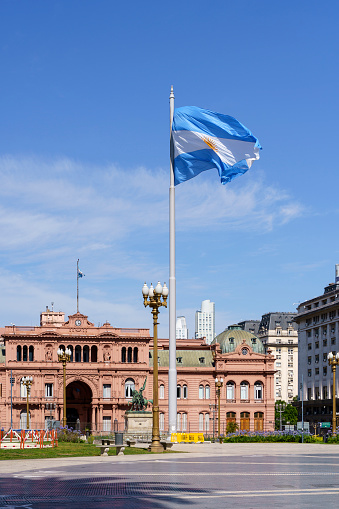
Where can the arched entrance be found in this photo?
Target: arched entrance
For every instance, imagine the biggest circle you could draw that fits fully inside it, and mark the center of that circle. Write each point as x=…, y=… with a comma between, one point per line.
x=78, y=405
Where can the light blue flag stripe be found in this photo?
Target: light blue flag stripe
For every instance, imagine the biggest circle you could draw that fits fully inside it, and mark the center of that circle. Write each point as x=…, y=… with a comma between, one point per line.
x=203, y=140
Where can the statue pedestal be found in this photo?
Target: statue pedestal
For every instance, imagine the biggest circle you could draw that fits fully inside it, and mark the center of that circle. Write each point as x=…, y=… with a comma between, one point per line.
x=138, y=421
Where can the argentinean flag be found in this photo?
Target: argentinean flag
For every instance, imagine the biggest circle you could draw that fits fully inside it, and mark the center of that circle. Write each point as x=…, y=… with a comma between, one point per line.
x=203, y=140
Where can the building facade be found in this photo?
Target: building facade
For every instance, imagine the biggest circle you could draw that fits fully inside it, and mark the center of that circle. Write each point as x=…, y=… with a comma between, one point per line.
x=318, y=320
x=107, y=363
x=181, y=331
x=205, y=321
x=279, y=333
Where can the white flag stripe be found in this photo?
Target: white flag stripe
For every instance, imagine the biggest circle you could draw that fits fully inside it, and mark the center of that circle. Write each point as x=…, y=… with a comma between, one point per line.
x=229, y=151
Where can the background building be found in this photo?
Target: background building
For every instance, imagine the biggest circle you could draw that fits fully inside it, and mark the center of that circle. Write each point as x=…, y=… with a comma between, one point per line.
x=205, y=321
x=318, y=320
x=251, y=326
x=278, y=332
x=107, y=363
x=181, y=331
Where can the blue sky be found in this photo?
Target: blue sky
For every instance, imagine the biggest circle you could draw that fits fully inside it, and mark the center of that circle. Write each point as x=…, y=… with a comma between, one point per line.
x=84, y=156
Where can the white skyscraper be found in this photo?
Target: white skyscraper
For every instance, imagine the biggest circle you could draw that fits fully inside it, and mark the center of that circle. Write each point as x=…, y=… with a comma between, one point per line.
x=181, y=331
x=205, y=321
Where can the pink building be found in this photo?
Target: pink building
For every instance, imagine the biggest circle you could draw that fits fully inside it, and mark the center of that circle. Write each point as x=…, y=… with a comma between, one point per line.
x=107, y=363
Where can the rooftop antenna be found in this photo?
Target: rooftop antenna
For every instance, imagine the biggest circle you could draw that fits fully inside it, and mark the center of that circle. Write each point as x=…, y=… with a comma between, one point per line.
x=52, y=303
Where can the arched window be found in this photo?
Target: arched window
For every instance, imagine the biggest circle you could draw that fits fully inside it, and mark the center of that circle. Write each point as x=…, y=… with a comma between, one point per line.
x=24, y=353
x=201, y=392
x=162, y=421
x=78, y=353
x=23, y=390
x=70, y=347
x=178, y=421
x=129, y=388
x=184, y=421
x=129, y=354
x=230, y=390
x=23, y=419
x=184, y=391
x=161, y=391
x=258, y=390
x=258, y=421
x=230, y=417
x=244, y=390
x=123, y=354
x=207, y=392
x=86, y=353
x=94, y=353
x=135, y=354
x=207, y=422
x=201, y=422
x=245, y=421
x=178, y=391
x=31, y=353
x=18, y=353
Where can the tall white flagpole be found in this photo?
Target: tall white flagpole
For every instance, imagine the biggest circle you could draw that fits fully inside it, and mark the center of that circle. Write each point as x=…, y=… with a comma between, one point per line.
x=78, y=286
x=172, y=373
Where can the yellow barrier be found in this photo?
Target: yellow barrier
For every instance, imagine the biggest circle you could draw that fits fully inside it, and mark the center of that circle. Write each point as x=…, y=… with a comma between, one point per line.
x=187, y=437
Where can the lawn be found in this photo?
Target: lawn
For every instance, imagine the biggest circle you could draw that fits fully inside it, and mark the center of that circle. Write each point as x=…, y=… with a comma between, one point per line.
x=63, y=450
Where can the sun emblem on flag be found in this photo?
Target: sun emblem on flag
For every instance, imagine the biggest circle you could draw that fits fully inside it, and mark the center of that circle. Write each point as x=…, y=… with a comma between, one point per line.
x=210, y=142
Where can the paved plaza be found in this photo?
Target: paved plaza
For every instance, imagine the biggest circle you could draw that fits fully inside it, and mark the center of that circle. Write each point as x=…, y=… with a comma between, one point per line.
x=202, y=476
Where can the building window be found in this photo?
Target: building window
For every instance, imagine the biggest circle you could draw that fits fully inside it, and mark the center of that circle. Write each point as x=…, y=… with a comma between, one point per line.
x=317, y=371
x=230, y=389
x=201, y=392
x=135, y=354
x=123, y=354
x=184, y=391
x=316, y=344
x=70, y=347
x=18, y=353
x=309, y=360
x=325, y=370
x=179, y=360
x=162, y=391
x=324, y=342
x=325, y=395
x=207, y=422
x=207, y=392
x=24, y=353
x=31, y=353
x=244, y=390
x=23, y=390
x=48, y=390
x=129, y=354
x=107, y=390
x=333, y=341
x=86, y=353
x=309, y=372
x=181, y=421
x=94, y=354
x=106, y=424
x=129, y=388
x=316, y=359
x=78, y=353
x=202, y=360
x=162, y=421
x=309, y=346
x=258, y=390
x=309, y=394
x=201, y=422
x=178, y=391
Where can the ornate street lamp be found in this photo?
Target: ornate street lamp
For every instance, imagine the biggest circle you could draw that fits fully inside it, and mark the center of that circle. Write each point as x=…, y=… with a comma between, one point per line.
x=333, y=361
x=280, y=407
x=64, y=357
x=155, y=298
x=27, y=382
x=218, y=384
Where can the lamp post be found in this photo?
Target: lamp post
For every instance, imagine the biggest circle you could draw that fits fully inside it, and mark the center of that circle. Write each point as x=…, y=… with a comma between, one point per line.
x=64, y=357
x=333, y=361
x=27, y=382
x=155, y=298
x=280, y=407
x=218, y=384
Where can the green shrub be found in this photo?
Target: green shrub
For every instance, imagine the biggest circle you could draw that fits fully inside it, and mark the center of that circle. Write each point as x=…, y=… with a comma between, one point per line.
x=68, y=435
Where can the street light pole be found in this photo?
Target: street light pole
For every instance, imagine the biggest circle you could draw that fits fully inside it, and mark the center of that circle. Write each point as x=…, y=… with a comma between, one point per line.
x=155, y=298
x=333, y=361
x=281, y=408
x=27, y=382
x=64, y=357
x=218, y=385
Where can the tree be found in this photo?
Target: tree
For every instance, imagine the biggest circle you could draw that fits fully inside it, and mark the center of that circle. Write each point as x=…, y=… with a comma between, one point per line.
x=288, y=415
